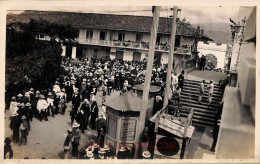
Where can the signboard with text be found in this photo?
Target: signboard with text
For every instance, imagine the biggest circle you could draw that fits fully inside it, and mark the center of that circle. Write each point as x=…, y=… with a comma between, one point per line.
x=128, y=127
x=112, y=127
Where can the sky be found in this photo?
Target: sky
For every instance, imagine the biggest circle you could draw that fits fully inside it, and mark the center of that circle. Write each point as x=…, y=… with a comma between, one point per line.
x=195, y=15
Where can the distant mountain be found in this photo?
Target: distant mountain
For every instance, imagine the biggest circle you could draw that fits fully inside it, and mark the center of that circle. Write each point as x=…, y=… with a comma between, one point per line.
x=217, y=31
x=223, y=37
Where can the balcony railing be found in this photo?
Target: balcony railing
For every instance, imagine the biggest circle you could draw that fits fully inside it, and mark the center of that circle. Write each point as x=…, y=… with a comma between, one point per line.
x=123, y=44
x=134, y=45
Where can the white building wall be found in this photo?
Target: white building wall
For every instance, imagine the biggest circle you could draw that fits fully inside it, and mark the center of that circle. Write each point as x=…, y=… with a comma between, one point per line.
x=144, y=55
x=165, y=38
x=74, y=50
x=235, y=50
x=95, y=35
x=130, y=36
x=82, y=33
x=146, y=37
x=164, y=58
x=218, y=50
x=128, y=55
x=63, y=51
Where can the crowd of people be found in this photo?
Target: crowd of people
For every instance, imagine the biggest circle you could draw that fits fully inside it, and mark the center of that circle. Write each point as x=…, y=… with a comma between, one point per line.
x=79, y=85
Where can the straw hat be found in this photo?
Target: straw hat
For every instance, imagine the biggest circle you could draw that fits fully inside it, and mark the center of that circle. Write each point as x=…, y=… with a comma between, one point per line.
x=90, y=154
x=75, y=125
x=37, y=92
x=146, y=154
x=20, y=95
x=102, y=151
x=70, y=130
x=49, y=94
x=27, y=104
x=13, y=98
x=106, y=147
x=23, y=117
x=122, y=148
x=42, y=96
x=15, y=114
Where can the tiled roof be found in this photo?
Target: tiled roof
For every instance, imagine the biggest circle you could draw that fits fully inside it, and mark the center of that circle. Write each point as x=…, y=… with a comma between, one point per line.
x=127, y=102
x=104, y=21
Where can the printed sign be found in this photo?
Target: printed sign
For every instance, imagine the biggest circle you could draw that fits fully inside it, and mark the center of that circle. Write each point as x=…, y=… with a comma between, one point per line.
x=128, y=129
x=112, y=126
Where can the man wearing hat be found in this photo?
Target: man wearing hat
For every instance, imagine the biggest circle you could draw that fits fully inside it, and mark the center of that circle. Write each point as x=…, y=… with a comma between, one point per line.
x=94, y=114
x=101, y=154
x=83, y=89
x=20, y=98
x=75, y=105
x=67, y=143
x=146, y=155
x=121, y=153
x=95, y=150
x=86, y=109
x=63, y=98
x=24, y=129
x=210, y=91
x=80, y=118
x=108, y=152
x=50, y=100
x=13, y=106
x=181, y=79
x=29, y=114
x=89, y=155
x=14, y=125
x=21, y=110
x=75, y=139
x=42, y=106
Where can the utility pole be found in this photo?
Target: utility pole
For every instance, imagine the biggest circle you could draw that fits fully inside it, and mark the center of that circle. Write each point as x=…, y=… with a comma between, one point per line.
x=170, y=57
x=149, y=67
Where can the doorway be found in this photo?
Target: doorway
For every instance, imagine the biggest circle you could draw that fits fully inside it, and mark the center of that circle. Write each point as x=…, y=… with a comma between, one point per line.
x=137, y=56
x=119, y=55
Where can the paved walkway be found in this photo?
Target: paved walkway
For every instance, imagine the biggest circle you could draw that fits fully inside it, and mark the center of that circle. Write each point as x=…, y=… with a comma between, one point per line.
x=199, y=75
x=46, y=138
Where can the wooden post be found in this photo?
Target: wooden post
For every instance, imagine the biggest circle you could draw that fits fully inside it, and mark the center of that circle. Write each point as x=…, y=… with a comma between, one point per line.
x=170, y=57
x=148, y=74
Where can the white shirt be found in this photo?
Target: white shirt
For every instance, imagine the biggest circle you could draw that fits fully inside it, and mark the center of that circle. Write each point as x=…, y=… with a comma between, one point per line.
x=211, y=88
x=42, y=105
x=50, y=101
x=174, y=80
x=13, y=107
x=56, y=88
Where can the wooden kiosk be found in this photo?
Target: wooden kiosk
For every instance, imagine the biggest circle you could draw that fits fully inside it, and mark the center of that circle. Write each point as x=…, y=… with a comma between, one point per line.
x=152, y=93
x=123, y=114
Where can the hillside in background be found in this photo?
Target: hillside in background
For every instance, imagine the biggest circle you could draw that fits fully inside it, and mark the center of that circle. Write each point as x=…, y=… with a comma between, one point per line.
x=217, y=31
x=223, y=37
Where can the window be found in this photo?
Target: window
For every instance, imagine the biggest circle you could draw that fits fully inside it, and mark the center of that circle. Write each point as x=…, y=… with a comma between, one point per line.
x=89, y=34
x=102, y=35
x=121, y=36
x=158, y=39
x=139, y=37
x=95, y=53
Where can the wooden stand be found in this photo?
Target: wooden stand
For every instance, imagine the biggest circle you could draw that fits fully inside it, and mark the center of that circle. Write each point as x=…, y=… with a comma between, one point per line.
x=173, y=137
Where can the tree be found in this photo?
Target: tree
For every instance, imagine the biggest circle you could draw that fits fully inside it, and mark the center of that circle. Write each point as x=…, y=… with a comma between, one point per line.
x=29, y=59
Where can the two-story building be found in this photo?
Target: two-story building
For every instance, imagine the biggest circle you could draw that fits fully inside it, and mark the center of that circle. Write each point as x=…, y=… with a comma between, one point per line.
x=123, y=37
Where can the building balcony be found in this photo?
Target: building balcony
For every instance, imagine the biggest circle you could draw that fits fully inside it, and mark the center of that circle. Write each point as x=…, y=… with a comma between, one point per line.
x=132, y=45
